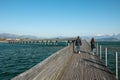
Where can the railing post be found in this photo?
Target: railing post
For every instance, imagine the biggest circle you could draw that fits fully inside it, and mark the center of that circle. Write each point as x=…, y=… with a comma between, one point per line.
x=97, y=48
x=100, y=52
x=106, y=56
x=116, y=65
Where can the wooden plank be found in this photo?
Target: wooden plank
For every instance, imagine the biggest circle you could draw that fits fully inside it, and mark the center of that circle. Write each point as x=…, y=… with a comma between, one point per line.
x=86, y=66
x=49, y=68
x=66, y=65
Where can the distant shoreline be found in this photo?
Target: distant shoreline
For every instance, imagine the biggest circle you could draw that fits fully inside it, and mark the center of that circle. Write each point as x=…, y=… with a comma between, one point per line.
x=3, y=41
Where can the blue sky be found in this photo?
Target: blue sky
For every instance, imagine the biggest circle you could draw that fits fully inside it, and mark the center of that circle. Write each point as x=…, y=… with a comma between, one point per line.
x=50, y=18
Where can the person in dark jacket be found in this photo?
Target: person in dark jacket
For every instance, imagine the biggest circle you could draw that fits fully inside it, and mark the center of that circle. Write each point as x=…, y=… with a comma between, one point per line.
x=92, y=45
x=78, y=44
x=73, y=41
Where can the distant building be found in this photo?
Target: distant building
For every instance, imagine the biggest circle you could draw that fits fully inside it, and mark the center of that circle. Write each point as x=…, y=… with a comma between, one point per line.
x=9, y=39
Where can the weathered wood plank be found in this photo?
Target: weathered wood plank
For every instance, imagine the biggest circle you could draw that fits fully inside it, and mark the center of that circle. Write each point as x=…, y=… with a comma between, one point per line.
x=49, y=68
x=66, y=65
x=86, y=66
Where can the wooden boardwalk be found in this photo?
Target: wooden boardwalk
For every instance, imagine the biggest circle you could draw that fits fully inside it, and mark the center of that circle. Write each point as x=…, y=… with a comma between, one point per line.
x=66, y=65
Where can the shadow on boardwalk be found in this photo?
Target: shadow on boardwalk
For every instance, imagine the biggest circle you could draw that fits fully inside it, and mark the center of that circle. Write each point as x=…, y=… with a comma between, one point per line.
x=97, y=65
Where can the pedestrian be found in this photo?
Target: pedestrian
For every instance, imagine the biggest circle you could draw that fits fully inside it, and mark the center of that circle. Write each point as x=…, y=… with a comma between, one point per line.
x=73, y=41
x=93, y=45
x=78, y=44
x=68, y=43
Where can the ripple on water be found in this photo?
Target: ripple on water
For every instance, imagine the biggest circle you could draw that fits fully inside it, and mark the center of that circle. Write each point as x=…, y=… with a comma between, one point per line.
x=15, y=59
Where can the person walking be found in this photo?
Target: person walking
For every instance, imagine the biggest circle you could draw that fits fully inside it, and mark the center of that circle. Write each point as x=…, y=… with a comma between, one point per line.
x=92, y=45
x=78, y=44
x=73, y=41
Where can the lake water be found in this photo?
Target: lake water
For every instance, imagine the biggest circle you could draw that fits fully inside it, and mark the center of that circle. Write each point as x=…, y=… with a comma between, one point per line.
x=113, y=47
x=17, y=58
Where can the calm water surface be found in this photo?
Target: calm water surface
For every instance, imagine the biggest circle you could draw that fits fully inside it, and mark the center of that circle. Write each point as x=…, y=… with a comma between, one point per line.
x=17, y=58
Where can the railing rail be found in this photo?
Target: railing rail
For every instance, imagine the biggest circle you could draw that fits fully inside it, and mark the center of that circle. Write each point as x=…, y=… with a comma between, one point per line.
x=99, y=52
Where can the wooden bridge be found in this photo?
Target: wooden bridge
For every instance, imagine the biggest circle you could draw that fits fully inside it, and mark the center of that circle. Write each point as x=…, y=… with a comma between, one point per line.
x=41, y=42
x=66, y=65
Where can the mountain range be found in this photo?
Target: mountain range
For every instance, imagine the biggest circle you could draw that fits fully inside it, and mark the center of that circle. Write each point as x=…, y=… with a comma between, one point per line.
x=105, y=37
x=108, y=37
x=14, y=36
x=102, y=37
